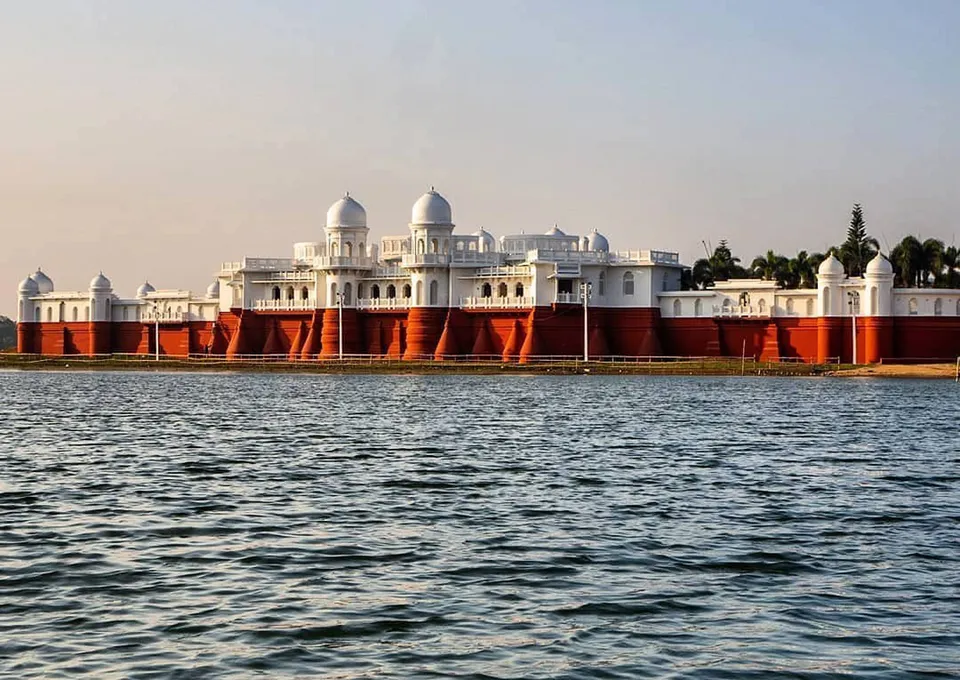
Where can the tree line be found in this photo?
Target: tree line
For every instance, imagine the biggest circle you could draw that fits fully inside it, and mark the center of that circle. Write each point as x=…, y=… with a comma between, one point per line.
x=916, y=263
x=8, y=333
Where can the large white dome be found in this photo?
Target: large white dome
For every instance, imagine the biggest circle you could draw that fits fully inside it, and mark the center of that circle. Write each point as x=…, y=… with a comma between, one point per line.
x=44, y=282
x=554, y=231
x=879, y=266
x=100, y=283
x=432, y=208
x=144, y=289
x=29, y=287
x=597, y=241
x=830, y=267
x=346, y=213
x=213, y=290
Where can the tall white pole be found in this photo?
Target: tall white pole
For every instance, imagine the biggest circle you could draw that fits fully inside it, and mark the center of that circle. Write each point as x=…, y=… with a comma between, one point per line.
x=854, y=317
x=585, y=292
x=340, y=324
x=156, y=323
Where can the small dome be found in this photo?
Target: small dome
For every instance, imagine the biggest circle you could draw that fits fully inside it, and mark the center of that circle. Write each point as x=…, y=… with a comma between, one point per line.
x=346, y=213
x=44, y=282
x=879, y=266
x=213, y=290
x=830, y=267
x=485, y=239
x=29, y=287
x=554, y=231
x=597, y=241
x=432, y=208
x=100, y=283
x=144, y=289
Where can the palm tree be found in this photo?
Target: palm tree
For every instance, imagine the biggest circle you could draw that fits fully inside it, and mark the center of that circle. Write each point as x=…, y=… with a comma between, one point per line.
x=950, y=261
x=720, y=266
x=860, y=247
x=802, y=269
x=932, y=263
x=907, y=260
x=770, y=267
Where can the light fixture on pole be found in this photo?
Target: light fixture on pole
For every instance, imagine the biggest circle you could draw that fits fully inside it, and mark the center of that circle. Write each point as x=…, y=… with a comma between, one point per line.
x=585, y=289
x=156, y=324
x=853, y=299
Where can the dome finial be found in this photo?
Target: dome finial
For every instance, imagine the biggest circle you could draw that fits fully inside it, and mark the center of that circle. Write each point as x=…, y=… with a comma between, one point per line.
x=346, y=194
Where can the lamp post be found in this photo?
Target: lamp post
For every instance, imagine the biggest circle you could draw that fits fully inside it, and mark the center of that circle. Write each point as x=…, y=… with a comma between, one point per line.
x=585, y=289
x=156, y=325
x=340, y=325
x=852, y=297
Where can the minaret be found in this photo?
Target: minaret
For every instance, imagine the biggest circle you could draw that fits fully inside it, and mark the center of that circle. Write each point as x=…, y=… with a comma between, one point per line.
x=26, y=317
x=877, y=310
x=347, y=259
x=830, y=307
x=101, y=314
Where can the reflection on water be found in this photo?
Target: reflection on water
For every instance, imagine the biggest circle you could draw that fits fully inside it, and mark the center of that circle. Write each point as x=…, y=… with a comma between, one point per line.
x=159, y=525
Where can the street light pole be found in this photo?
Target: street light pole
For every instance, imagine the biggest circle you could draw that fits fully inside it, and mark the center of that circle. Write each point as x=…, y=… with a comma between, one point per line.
x=156, y=324
x=853, y=317
x=340, y=325
x=585, y=289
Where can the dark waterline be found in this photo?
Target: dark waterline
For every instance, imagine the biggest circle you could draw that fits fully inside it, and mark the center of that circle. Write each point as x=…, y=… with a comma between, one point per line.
x=183, y=525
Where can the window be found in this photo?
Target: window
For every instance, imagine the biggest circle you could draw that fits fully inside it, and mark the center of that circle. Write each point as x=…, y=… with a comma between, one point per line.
x=789, y=305
x=958, y=307
x=473, y=245
x=434, y=292
x=49, y=314
x=179, y=312
x=938, y=307
x=406, y=291
x=375, y=292
x=304, y=293
x=420, y=247
x=518, y=290
x=874, y=301
x=391, y=291
x=76, y=314
x=663, y=283
x=826, y=301
x=486, y=291
x=762, y=306
x=459, y=246
x=810, y=307
x=360, y=291
x=677, y=308
x=290, y=293
x=697, y=308
x=502, y=290
x=201, y=313
x=601, y=284
x=362, y=251
x=349, y=248
x=86, y=312
x=63, y=312
x=126, y=313
x=628, y=283
x=434, y=246
x=333, y=293
x=334, y=249
x=36, y=313
x=446, y=246
x=912, y=306
x=347, y=293
x=276, y=293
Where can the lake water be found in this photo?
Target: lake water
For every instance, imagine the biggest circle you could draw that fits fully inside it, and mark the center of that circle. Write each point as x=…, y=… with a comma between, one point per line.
x=233, y=526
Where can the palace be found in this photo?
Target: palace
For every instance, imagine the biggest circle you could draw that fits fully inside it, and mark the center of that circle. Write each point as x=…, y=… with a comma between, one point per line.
x=434, y=294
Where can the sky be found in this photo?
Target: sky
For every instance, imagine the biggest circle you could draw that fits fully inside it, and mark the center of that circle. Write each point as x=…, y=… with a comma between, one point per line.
x=154, y=140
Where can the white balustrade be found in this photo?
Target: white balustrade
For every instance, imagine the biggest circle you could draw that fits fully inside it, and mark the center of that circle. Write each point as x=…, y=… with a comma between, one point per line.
x=496, y=302
x=383, y=303
x=428, y=259
x=284, y=305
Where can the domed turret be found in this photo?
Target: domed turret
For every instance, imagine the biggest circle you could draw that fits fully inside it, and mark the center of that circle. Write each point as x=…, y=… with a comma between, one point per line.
x=213, y=290
x=432, y=209
x=485, y=241
x=554, y=231
x=100, y=283
x=144, y=289
x=830, y=267
x=346, y=213
x=44, y=282
x=29, y=287
x=597, y=241
x=879, y=266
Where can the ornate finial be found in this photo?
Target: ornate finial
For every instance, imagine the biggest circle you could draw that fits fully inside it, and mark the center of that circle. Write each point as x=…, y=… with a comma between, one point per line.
x=432, y=190
x=346, y=194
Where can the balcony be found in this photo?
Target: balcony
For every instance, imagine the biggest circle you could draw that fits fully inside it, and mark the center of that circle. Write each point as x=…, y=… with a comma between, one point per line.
x=426, y=259
x=383, y=303
x=741, y=311
x=284, y=305
x=568, y=299
x=336, y=261
x=496, y=302
x=288, y=277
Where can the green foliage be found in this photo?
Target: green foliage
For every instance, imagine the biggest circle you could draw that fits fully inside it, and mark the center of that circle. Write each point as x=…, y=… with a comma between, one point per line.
x=8, y=333
x=860, y=247
x=722, y=265
x=771, y=267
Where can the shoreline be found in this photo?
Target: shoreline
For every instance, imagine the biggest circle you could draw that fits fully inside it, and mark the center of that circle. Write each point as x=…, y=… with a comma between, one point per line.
x=367, y=366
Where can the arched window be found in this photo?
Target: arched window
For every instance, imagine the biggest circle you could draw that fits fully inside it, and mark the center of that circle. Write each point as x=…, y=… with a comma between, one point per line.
x=391, y=291
x=434, y=292
x=726, y=302
x=602, y=284
x=762, y=306
x=348, y=293
x=912, y=306
x=473, y=245
x=677, y=308
x=36, y=313
x=290, y=293
x=126, y=313
x=874, y=301
x=375, y=292
x=179, y=312
x=502, y=290
x=518, y=290
x=333, y=293
x=86, y=312
x=434, y=246
x=406, y=291
x=304, y=293
x=826, y=301
x=420, y=247
x=63, y=312
x=419, y=299
x=76, y=314
x=697, y=308
x=459, y=245
x=349, y=248
x=938, y=307
x=446, y=246
x=486, y=291
x=789, y=305
x=334, y=249
x=276, y=292
x=362, y=251
x=360, y=291
x=628, y=283
x=810, y=307
x=201, y=313
x=49, y=314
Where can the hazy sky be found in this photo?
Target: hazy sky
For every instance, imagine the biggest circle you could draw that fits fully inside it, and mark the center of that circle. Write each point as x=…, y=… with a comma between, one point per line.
x=157, y=139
